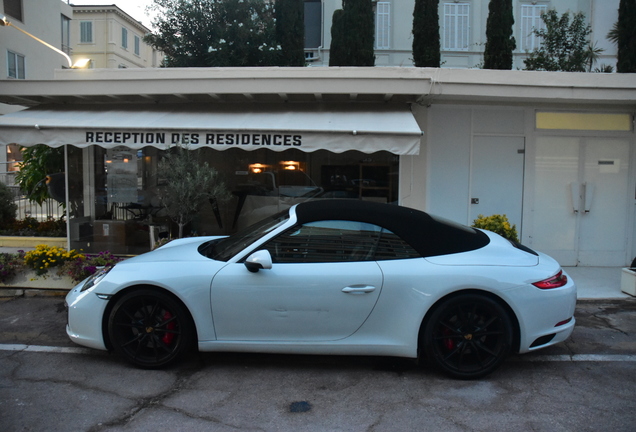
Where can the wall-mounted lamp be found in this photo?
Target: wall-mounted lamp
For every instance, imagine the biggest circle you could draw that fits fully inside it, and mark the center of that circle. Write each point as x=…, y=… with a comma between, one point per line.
x=83, y=63
x=258, y=168
x=291, y=165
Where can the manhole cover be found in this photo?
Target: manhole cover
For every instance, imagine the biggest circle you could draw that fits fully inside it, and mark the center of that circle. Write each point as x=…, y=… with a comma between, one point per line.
x=299, y=407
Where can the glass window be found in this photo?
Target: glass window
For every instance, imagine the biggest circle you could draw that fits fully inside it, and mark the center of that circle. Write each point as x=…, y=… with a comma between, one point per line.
x=530, y=20
x=383, y=25
x=313, y=23
x=137, y=45
x=116, y=207
x=124, y=38
x=456, y=26
x=13, y=8
x=338, y=241
x=15, y=65
x=86, y=32
x=325, y=241
x=66, y=34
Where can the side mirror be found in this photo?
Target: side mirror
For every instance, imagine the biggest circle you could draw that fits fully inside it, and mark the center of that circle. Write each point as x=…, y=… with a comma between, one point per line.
x=259, y=260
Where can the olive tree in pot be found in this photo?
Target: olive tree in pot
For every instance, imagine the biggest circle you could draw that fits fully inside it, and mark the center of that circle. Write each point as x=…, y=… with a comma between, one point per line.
x=189, y=183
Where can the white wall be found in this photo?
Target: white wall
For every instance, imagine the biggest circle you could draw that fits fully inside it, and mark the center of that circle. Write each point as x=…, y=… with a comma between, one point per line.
x=42, y=19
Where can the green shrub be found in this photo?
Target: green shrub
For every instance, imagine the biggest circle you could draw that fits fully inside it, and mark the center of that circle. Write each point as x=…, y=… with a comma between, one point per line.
x=10, y=265
x=7, y=206
x=498, y=224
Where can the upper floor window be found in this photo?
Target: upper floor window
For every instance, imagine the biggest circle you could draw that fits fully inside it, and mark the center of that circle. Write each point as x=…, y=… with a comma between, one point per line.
x=15, y=65
x=383, y=25
x=13, y=8
x=86, y=32
x=137, y=45
x=313, y=23
x=531, y=20
x=66, y=34
x=456, y=26
x=124, y=37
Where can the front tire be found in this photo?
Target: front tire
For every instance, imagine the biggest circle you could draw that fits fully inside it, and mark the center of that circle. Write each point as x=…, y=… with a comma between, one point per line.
x=468, y=336
x=150, y=329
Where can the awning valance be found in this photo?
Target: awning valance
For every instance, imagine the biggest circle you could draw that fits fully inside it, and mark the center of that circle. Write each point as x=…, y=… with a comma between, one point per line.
x=277, y=128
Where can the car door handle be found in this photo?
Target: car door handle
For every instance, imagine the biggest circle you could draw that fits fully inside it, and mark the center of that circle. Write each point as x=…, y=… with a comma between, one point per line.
x=358, y=289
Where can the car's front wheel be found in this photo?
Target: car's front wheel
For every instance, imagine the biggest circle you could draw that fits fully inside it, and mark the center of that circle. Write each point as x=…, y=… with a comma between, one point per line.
x=150, y=329
x=468, y=336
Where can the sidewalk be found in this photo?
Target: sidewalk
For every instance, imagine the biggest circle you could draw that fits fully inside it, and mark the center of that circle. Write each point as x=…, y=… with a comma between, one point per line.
x=597, y=282
x=592, y=282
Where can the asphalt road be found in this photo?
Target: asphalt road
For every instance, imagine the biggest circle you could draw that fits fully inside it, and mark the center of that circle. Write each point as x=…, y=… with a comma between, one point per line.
x=48, y=383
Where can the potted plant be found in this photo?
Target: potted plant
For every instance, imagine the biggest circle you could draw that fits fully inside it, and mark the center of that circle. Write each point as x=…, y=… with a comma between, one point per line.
x=628, y=279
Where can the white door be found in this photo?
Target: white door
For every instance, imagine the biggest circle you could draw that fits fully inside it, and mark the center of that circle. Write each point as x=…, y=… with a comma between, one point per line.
x=322, y=286
x=581, y=200
x=294, y=301
x=497, y=177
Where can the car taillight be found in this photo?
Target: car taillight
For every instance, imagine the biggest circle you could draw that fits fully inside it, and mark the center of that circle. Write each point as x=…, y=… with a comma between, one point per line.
x=555, y=281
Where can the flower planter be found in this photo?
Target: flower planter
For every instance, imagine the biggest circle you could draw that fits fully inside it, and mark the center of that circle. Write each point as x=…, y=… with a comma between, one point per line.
x=31, y=242
x=628, y=281
x=29, y=280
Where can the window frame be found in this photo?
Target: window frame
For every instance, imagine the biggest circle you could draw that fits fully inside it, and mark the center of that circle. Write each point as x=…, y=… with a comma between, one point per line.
x=124, y=38
x=86, y=29
x=11, y=9
x=383, y=25
x=19, y=66
x=66, y=34
x=528, y=41
x=456, y=33
x=137, y=45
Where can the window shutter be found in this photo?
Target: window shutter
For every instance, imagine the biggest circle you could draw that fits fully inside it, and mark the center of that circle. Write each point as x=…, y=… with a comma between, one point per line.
x=383, y=25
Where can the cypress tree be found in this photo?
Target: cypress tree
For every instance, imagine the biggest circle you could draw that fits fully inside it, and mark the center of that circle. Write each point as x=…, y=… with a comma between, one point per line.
x=426, y=43
x=499, y=40
x=352, y=34
x=360, y=32
x=338, y=49
x=290, y=30
x=626, y=36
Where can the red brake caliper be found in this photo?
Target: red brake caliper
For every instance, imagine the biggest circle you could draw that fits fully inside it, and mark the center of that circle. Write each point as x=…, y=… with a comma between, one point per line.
x=168, y=337
x=448, y=343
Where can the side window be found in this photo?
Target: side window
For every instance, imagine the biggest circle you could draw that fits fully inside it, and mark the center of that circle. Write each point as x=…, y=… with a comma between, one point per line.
x=326, y=241
x=338, y=241
x=392, y=247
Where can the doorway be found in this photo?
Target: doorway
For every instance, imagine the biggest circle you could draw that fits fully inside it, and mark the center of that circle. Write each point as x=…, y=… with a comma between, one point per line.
x=581, y=200
x=497, y=169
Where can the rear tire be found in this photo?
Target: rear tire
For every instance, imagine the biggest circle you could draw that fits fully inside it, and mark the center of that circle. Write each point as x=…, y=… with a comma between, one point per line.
x=468, y=336
x=150, y=329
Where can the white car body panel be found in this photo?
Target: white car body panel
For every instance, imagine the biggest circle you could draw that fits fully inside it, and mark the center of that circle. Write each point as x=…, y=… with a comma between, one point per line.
x=294, y=302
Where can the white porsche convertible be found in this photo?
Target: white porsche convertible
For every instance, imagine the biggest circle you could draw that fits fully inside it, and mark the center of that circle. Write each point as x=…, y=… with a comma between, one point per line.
x=331, y=277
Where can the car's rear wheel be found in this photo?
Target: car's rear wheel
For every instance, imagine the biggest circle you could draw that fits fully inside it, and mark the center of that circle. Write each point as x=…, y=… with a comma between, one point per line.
x=150, y=329
x=468, y=336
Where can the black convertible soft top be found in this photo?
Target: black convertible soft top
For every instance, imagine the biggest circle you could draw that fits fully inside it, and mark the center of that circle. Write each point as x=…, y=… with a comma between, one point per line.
x=429, y=236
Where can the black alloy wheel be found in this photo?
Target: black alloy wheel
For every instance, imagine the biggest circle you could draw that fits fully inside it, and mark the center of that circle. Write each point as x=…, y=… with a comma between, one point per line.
x=150, y=329
x=468, y=336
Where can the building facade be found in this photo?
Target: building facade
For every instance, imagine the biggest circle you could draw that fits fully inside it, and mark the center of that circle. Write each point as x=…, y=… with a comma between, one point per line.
x=554, y=151
x=462, y=29
x=106, y=35
x=111, y=38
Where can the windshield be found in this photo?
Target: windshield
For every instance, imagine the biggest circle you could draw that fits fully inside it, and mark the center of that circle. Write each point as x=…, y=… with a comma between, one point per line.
x=225, y=248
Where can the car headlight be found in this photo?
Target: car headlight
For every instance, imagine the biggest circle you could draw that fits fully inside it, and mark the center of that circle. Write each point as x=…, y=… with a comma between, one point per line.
x=96, y=278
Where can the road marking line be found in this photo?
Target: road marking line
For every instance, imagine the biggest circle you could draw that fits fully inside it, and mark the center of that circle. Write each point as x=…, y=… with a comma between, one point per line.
x=522, y=358
x=49, y=349
x=581, y=358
